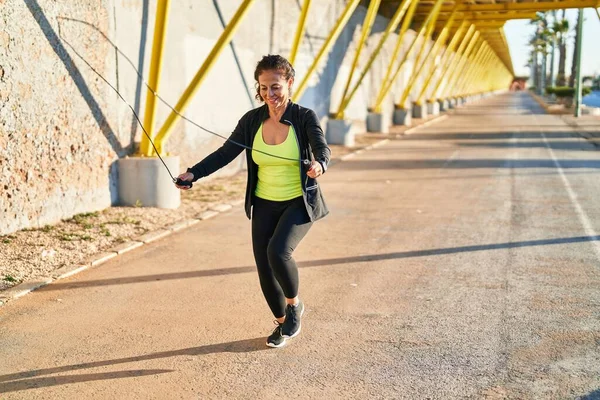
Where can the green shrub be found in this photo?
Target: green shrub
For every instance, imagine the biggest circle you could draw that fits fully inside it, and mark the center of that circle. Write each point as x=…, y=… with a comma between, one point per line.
x=565, y=91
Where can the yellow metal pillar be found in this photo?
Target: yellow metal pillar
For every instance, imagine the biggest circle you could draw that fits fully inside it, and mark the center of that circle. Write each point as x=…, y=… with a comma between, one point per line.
x=366, y=30
x=453, y=62
x=470, y=71
x=442, y=64
x=299, y=31
x=393, y=24
x=473, y=72
x=160, y=28
x=193, y=86
x=477, y=43
x=333, y=35
x=405, y=25
x=476, y=77
x=431, y=54
x=425, y=31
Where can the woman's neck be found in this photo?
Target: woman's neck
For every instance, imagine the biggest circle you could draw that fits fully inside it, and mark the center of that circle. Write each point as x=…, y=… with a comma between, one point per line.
x=277, y=113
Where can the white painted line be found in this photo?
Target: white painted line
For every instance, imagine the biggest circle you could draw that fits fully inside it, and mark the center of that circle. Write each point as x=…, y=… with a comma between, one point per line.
x=583, y=218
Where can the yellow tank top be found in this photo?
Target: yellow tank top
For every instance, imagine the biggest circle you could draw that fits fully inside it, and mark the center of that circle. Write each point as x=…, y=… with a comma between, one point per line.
x=278, y=179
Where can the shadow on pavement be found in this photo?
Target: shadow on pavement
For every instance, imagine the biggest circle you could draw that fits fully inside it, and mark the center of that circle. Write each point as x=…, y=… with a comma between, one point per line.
x=489, y=136
x=317, y=263
x=65, y=380
x=26, y=380
x=467, y=164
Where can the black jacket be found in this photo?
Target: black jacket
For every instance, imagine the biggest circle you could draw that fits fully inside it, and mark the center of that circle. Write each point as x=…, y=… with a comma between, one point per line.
x=311, y=141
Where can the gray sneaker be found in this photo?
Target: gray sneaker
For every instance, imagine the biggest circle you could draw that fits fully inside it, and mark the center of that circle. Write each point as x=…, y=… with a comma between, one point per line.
x=291, y=326
x=275, y=339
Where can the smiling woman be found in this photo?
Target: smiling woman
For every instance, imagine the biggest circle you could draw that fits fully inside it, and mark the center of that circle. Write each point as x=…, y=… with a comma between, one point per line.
x=283, y=198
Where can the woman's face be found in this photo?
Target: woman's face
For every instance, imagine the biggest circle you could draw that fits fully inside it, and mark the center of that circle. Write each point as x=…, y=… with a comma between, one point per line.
x=274, y=88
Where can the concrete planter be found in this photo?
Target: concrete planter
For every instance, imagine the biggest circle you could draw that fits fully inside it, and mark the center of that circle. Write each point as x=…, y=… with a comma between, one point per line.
x=340, y=131
x=377, y=122
x=443, y=105
x=419, y=111
x=145, y=182
x=402, y=116
x=433, y=108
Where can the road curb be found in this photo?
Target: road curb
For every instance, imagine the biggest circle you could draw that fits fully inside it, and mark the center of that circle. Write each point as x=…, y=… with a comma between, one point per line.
x=95, y=260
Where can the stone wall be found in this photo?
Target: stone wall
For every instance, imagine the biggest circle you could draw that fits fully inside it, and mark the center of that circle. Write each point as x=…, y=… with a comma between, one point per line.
x=62, y=127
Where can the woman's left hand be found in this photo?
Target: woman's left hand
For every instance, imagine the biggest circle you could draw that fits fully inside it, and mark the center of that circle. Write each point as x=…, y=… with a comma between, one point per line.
x=315, y=170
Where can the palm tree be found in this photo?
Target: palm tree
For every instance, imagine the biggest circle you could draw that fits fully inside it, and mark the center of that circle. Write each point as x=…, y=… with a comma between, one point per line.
x=561, y=29
x=553, y=38
x=575, y=49
x=540, y=41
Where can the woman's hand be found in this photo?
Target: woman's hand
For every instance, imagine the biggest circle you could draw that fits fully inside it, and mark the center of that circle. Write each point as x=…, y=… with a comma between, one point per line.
x=186, y=176
x=315, y=170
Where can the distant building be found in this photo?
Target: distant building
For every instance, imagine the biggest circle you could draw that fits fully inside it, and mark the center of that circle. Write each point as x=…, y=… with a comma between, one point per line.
x=519, y=83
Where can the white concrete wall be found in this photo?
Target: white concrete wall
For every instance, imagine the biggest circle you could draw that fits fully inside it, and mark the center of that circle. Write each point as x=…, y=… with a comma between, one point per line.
x=62, y=128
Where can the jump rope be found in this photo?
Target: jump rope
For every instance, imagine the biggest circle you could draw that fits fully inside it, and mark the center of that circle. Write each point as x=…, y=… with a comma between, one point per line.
x=177, y=181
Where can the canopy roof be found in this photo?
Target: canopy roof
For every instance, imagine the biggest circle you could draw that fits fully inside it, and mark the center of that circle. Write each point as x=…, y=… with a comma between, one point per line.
x=489, y=16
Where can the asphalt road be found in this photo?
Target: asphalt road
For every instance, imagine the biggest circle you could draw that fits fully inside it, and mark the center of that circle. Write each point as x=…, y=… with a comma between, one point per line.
x=460, y=261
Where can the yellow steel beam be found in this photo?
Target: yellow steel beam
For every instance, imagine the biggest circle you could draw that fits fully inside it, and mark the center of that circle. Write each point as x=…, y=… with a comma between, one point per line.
x=473, y=73
x=475, y=42
x=299, y=31
x=466, y=64
x=522, y=6
x=367, y=25
x=418, y=70
x=453, y=60
x=193, y=86
x=430, y=23
x=333, y=35
x=443, y=61
x=399, y=42
x=487, y=16
x=160, y=28
x=393, y=24
x=387, y=85
x=476, y=78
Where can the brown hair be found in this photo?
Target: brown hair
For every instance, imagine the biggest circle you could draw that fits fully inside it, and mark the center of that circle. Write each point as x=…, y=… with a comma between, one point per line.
x=272, y=62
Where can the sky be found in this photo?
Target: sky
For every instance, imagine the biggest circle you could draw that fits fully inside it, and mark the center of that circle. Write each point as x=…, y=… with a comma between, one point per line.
x=518, y=33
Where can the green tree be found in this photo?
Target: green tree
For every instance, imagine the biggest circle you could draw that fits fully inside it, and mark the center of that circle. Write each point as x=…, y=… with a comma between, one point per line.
x=560, y=29
x=574, y=65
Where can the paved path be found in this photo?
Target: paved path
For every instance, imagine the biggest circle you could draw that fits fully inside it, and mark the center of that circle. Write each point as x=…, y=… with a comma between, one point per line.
x=461, y=261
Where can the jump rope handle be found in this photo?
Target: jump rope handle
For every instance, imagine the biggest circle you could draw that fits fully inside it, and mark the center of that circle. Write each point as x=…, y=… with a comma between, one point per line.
x=180, y=182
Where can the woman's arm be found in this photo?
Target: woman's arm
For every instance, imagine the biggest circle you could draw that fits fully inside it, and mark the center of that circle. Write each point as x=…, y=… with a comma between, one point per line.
x=316, y=138
x=222, y=156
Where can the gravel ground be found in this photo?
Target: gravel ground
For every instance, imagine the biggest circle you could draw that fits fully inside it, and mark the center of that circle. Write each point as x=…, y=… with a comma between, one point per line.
x=34, y=253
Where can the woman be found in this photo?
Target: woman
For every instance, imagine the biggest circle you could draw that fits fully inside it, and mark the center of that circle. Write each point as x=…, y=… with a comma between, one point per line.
x=283, y=198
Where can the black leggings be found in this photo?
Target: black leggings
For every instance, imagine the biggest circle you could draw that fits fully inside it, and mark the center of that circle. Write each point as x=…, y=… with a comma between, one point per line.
x=277, y=228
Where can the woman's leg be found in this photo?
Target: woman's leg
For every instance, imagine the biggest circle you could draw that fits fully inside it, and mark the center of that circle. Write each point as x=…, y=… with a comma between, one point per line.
x=291, y=228
x=265, y=216
x=293, y=225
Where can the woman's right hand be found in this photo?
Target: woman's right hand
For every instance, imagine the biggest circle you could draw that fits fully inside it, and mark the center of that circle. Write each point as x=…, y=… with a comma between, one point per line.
x=186, y=176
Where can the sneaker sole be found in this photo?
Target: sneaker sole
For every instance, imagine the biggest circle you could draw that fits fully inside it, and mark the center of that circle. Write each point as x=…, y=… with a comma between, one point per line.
x=299, y=327
x=276, y=346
